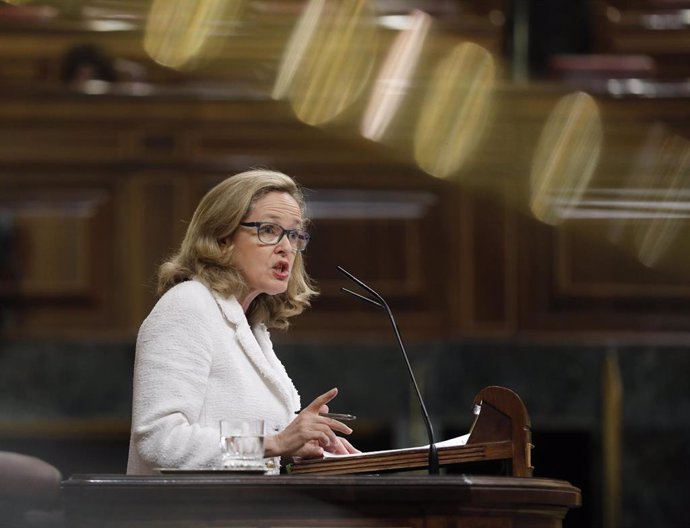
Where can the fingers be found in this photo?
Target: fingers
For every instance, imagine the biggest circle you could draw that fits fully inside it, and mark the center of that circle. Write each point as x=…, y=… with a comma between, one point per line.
x=307, y=427
x=338, y=426
x=342, y=447
x=351, y=450
x=312, y=427
x=322, y=433
x=315, y=406
x=310, y=450
x=325, y=429
x=319, y=405
x=310, y=433
x=337, y=447
x=329, y=441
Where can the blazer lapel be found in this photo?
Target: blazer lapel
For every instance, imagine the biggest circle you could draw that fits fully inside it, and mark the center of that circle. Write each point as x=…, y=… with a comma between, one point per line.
x=257, y=346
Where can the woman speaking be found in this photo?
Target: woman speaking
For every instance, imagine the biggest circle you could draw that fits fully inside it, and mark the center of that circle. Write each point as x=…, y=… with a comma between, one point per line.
x=204, y=353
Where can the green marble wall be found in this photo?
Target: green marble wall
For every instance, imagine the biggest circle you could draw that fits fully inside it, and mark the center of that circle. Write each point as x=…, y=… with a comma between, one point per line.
x=46, y=382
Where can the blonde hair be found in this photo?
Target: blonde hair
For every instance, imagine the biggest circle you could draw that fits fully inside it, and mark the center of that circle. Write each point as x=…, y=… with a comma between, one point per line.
x=202, y=253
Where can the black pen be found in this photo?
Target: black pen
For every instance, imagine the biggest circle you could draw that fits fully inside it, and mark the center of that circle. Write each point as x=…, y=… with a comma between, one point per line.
x=336, y=416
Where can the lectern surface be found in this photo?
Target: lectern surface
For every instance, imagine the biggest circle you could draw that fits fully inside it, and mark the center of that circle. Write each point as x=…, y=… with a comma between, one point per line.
x=337, y=501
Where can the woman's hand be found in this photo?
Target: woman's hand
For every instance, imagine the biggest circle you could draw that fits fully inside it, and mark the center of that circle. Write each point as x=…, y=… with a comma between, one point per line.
x=342, y=447
x=309, y=434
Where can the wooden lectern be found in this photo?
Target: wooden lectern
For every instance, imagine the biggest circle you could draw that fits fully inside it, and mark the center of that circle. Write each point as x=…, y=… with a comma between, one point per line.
x=295, y=501
x=501, y=431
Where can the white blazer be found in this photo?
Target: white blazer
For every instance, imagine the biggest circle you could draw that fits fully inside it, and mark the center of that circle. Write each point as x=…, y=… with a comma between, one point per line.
x=198, y=361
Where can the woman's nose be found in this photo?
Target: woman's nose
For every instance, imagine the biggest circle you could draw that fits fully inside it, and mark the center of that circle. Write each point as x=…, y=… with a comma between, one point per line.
x=283, y=245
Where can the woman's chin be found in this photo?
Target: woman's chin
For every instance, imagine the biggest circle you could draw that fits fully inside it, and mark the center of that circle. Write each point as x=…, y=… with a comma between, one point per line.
x=279, y=287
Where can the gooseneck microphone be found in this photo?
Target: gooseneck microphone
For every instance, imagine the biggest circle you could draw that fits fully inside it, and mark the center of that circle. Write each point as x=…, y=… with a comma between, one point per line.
x=381, y=303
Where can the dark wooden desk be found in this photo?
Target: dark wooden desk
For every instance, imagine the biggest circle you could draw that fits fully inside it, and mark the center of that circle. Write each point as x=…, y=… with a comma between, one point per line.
x=334, y=501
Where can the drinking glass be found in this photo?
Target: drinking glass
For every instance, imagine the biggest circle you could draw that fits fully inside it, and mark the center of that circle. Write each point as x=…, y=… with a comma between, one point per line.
x=242, y=444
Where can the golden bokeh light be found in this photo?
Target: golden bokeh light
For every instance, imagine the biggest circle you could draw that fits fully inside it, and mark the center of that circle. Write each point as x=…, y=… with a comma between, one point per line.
x=566, y=157
x=455, y=110
x=328, y=59
x=183, y=34
x=394, y=78
x=668, y=209
x=296, y=48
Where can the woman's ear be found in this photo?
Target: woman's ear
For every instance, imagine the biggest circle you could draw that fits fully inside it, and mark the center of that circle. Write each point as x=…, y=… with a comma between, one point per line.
x=225, y=244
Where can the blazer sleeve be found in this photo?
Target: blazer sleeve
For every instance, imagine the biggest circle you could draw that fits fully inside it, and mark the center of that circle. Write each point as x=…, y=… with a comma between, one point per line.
x=173, y=361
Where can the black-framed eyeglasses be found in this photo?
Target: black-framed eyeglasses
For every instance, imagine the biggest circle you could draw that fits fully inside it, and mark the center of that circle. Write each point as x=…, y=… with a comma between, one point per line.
x=272, y=234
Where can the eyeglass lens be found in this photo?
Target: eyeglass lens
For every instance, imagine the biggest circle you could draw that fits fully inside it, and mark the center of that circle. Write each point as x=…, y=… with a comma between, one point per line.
x=273, y=233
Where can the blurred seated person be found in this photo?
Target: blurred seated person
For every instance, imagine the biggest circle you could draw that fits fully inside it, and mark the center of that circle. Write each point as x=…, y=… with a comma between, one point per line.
x=88, y=62
x=204, y=353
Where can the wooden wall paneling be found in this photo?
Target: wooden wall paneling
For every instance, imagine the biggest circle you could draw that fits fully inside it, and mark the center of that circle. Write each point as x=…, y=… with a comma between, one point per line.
x=396, y=241
x=266, y=133
x=155, y=209
x=375, y=234
x=613, y=286
x=534, y=272
x=56, y=244
x=609, y=271
x=158, y=143
x=493, y=195
x=46, y=141
x=573, y=279
x=154, y=158
x=260, y=143
x=487, y=294
x=63, y=244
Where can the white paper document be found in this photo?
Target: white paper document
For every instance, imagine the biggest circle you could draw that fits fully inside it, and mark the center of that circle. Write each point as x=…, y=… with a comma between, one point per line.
x=451, y=442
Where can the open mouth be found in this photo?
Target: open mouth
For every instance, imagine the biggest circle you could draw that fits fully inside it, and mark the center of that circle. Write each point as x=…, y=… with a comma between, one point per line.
x=282, y=270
